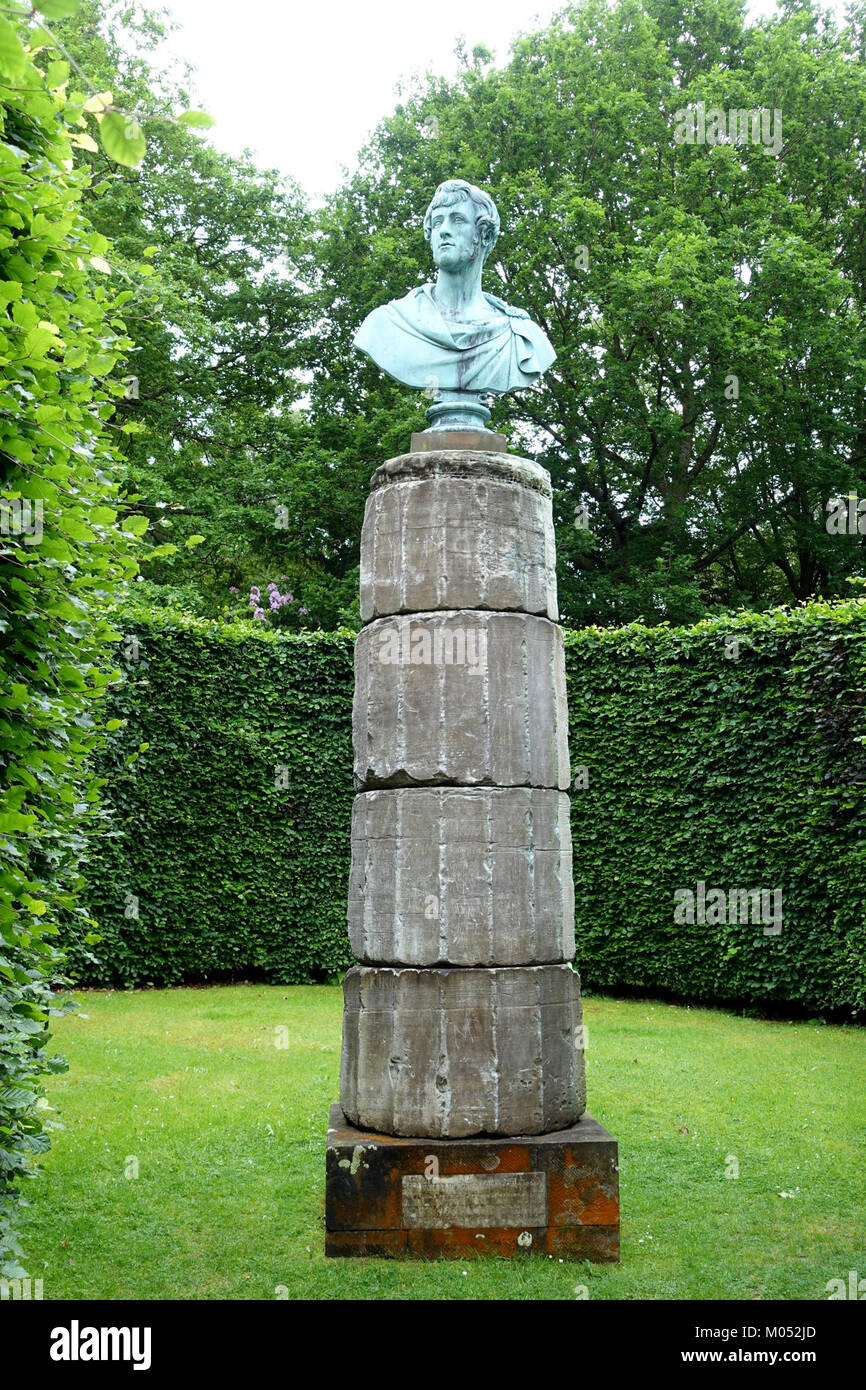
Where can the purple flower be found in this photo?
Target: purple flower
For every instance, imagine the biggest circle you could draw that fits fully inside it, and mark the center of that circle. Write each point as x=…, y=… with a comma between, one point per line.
x=253, y=603
x=233, y=589
x=290, y=598
x=254, y=593
x=271, y=587
x=303, y=610
x=259, y=613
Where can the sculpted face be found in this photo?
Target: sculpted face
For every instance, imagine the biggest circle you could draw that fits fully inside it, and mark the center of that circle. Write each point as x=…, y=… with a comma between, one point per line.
x=454, y=240
x=450, y=330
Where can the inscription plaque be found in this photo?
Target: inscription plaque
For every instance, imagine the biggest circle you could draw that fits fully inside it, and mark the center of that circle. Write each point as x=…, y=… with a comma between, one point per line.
x=475, y=1200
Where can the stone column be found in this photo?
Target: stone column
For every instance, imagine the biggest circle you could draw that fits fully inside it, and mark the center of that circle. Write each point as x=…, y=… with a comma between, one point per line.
x=463, y=1016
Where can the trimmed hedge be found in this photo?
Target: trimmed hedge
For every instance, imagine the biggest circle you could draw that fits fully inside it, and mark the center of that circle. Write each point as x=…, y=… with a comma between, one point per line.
x=730, y=753
x=230, y=849
x=743, y=770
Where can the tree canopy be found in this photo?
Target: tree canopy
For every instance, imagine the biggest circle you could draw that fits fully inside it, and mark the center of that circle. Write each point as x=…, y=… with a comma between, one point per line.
x=706, y=301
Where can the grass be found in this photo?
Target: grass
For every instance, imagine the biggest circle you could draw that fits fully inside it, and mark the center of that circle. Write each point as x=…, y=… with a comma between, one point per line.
x=227, y=1133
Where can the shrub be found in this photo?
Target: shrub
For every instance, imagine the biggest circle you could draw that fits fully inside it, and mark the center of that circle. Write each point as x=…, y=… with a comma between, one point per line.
x=231, y=845
x=742, y=770
x=62, y=551
x=729, y=754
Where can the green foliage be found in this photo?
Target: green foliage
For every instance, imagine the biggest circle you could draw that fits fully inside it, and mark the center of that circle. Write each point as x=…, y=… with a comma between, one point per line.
x=707, y=302
x=63, y=550
x=56, y=9
x=232, y=828
x=217, y=447
x=232, y=844
x=731, y=753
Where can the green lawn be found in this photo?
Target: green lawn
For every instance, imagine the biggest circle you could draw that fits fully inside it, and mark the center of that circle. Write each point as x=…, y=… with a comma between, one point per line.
x=228, y=1131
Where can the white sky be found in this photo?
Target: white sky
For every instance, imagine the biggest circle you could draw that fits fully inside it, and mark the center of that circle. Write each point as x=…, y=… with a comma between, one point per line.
x=304, y=84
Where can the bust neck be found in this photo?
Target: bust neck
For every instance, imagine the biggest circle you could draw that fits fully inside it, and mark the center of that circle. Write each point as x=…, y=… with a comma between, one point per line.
x=458, y=295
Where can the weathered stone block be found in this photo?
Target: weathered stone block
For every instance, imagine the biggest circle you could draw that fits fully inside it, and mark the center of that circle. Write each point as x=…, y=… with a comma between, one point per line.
x=463, y=463
x=461, y=876
x=435, y=441
x=451, y=1053
x=463, y=697
x=551, y=1194
x=445, y=540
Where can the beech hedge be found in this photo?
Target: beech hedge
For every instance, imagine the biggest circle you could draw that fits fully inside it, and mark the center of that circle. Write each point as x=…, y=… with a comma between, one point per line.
x=228, y=854
x=709, y=762
x=728, y=755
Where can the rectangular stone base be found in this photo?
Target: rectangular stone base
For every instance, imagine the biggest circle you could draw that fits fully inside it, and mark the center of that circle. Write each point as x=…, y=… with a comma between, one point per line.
x=489, y=441
x=548, y=1194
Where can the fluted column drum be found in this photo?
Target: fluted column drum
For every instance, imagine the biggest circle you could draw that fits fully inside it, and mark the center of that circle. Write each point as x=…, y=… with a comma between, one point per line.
x=461, y=876
x=444, y=532
x=463, y=1016
x=461, y=1052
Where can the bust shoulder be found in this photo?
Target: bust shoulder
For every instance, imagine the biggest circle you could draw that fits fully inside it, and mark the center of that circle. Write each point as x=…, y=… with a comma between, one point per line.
x=504, y=308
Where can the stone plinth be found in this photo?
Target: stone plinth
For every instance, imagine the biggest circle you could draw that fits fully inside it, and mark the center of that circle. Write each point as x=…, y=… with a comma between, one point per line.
x=462, y=1030
x=463, y=463
x=461, y=876
x=456, y=1052
x=554, y=1194
x=434, y=441
x=445, y=539
x=464, y=697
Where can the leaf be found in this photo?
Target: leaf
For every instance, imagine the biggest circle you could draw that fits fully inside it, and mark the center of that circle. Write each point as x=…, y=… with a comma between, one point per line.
x=57, y=9
x=199, y=119
x=101, y=363
x=192, y=541
x=17, y=1097
x=57, y=74
x=99, y=263
x=97, y=102
x=38, y=341
x=13, y=59
x=122, y=139
x=16, y=698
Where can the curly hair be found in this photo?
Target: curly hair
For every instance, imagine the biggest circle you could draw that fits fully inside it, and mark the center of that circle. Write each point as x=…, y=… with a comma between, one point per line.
x=486, y=216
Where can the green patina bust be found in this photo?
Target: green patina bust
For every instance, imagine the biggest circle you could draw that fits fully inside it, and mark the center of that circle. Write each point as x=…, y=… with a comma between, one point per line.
x=450, y=337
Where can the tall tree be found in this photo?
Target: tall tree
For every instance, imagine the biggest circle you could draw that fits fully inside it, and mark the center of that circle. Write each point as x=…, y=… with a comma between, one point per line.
x=216, y=376
x=705, y=299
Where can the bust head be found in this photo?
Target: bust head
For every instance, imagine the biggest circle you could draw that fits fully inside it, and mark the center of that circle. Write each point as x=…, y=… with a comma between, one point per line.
x=461, y=224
